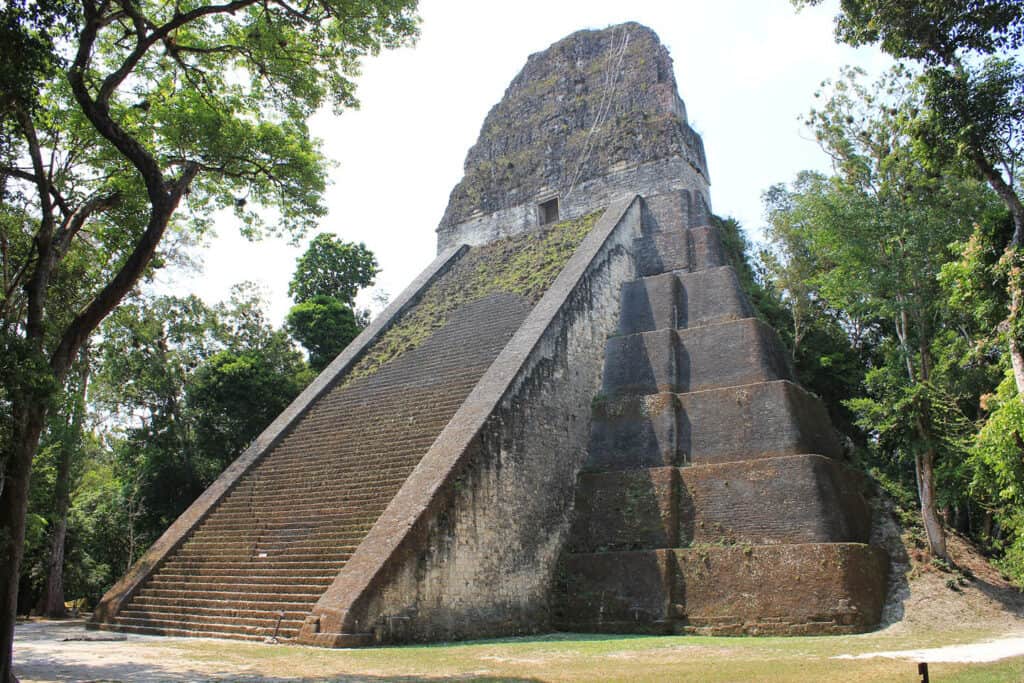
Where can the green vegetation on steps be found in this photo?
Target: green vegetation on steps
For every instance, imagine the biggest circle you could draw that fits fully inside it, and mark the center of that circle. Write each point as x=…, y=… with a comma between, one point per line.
x=524, y=264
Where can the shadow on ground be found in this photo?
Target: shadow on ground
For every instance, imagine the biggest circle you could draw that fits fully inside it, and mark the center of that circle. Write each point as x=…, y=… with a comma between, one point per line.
x=64, y=651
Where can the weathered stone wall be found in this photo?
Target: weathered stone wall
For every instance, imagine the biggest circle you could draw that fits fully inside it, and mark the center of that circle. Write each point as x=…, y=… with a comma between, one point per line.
x=663, y=177
x=485, y=562
x=594, y=118
x=792, y=589
x=795, y=499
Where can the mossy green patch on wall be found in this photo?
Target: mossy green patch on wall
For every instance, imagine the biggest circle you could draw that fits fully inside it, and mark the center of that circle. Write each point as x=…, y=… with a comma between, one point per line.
x=525, y=265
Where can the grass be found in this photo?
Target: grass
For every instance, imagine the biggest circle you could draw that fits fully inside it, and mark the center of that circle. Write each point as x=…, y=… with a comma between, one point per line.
x=577, y=657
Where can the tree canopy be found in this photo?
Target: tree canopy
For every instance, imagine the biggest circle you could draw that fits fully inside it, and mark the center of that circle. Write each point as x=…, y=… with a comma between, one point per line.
x=929, y=30
x=972, y=104
x=114, y=114
x=332, y=267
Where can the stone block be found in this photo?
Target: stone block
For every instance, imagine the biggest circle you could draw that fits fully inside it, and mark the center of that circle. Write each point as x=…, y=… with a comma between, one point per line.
x=650, y=303
x=661, y=252
x=634, y=431
x=709, y=296
x=704, y=248
x=749, y=422
x=687, y=250
x=618, y=592
x=667, y=212
x=626, y=510
x=642, y=363
x=727, y=354
x=762, y=420
x=802, y=589
x=793, y=499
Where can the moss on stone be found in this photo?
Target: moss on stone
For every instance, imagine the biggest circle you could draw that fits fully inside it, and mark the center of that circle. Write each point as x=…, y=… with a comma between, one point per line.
x=525, y=264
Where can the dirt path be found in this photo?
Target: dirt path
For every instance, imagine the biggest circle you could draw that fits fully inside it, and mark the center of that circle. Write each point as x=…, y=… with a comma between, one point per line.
x=991, y=651
x=65, y=651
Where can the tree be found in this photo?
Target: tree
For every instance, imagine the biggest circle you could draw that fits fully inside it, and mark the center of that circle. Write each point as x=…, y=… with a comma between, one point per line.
x=332, y=267
x=324, y=326
x=112, y=114
x=327, y=278
x=190, y=386
x=869, y=241
x=70, y=432
x=974, y=100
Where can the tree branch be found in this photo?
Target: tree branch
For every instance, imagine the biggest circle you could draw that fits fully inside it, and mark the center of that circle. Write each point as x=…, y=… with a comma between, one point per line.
x=74, y=222
x=31, y=177
x=40, y=278
x=125, y=278
x=145, y=42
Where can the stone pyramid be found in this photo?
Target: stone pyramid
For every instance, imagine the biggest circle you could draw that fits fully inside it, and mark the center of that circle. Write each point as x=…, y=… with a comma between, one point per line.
x=571, y=419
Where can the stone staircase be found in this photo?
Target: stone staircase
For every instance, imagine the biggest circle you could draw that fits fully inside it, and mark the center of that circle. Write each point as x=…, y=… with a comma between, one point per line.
x=261, y=559
x=712, y=500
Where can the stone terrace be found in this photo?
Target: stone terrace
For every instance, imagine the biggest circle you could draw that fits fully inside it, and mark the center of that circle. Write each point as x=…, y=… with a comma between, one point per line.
x=257, y=564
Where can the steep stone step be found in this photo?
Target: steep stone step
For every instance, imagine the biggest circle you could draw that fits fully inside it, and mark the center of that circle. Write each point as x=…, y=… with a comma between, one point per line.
x=235, y=622
x=254, y=574
x=762, y=420
x=349, y=476
x=303, y=558
x=721, y=355
x=258, y=553
x=272, y=515
x=798, y=589
x=241, y=594
x=215, y=612
x=343, y=517
x=162, y=586
x=312, y=496
x=680, y=300
x=792, y=499
x=348, y=535
x=186, y=603
x=203, y=564
x=209, y=632
x=687, y=250
x=169, y=578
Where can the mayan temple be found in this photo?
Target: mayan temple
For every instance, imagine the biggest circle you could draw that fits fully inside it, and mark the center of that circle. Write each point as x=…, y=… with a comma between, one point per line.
x=571, y=420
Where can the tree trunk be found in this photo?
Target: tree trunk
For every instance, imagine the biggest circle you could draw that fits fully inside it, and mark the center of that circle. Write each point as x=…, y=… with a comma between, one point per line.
x=71, y=444
x=53, y=602
x=924, y=463
x=28, y=420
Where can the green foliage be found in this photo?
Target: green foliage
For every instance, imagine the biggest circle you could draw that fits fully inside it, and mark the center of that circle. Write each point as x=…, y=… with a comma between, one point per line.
x=324, y=326
x=331, y=267
x=189, y=386
x=29, y=32
x=234, y=395
x=973, y=282
x=972, y=113
x=957, y=122
x=870, y=249
x=929, y=30
x=998, y=471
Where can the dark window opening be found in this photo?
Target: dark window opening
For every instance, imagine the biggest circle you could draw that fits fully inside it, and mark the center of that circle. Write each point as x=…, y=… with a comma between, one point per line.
x=548, y=211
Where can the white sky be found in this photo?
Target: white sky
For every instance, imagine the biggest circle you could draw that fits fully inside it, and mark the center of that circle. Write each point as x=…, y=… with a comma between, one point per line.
x=746, y=70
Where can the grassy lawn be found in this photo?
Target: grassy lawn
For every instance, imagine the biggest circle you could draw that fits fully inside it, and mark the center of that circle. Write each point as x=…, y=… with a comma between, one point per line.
x=571, y=657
